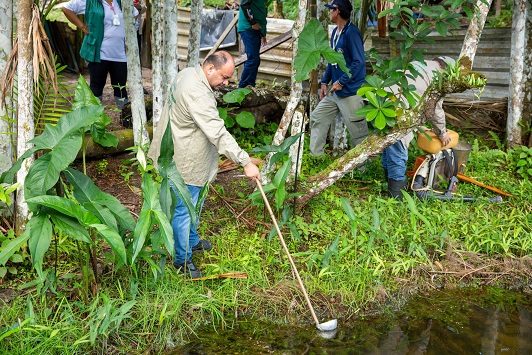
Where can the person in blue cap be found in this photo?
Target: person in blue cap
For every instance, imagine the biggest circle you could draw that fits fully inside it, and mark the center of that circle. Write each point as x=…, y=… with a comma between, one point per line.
x=341, y=98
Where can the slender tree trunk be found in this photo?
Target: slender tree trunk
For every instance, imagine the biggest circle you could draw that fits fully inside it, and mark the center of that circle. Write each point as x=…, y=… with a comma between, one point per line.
x=171, y=59
x=196, y=9
x=277, y=9
x=295, y=95
x=519, y=101
x=157, y=23
x=25, y=122
x=134, y=77
x=472, y=36
x=6, y=45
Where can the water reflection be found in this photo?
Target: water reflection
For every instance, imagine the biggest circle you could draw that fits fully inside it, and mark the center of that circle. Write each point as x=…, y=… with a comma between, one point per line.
x=451, y=322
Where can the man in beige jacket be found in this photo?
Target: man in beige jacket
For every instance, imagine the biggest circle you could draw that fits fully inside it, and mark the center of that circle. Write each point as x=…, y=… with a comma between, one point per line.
x=199, y=136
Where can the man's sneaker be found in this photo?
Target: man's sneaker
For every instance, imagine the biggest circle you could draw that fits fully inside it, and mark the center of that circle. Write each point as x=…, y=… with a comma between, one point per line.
x=203, y=245
x=188, y=269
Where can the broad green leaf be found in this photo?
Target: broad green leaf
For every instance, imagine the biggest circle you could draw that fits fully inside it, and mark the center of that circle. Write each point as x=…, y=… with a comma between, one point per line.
x=44, y=172
x=388, y=112
x=245, y=119
x=84, y=96
x=71, y=227
x=229, y=122
x=374, y=81
x=364, y=110
x=143, y=227
x=280, y=196
x=362, y=91
x=168, y=170
x=40, y=239
x=382, y=93
x=372, y=114
x=166, y=231
x=282, y=173
x=67, y=207
x=222, y=112
x=372, y=98
x=441, y=28
x=73, y=123
x=100, y=136
x=237, y=95
x=113, y=239
x=334, y=57
x=13, y=246
x=103, y=214
x=380, y=121
x=86, y=191
x=304, y=63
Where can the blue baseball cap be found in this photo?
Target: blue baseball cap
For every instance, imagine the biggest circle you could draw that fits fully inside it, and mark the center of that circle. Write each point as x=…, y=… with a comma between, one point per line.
x=344, y=5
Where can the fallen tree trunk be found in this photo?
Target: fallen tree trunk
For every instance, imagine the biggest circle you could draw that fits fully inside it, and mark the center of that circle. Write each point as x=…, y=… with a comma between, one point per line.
x=125, y=140
x=374, y=144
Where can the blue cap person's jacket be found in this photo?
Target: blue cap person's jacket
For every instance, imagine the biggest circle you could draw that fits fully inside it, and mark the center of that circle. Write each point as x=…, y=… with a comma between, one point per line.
x=351, y=45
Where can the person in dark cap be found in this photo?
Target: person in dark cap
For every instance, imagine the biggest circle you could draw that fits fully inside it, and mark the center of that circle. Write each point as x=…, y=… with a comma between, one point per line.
x=341, y=98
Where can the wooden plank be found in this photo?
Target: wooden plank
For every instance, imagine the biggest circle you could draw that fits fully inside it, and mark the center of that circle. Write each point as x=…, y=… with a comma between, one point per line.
x=269, y=45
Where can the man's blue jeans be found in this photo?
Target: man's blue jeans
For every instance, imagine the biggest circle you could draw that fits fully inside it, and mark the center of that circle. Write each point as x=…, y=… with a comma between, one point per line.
x=394, y=160
x=185, y=234
x=252, y=42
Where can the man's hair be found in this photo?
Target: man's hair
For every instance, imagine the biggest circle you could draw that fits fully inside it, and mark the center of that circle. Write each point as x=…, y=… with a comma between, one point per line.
x=218, y=59
x=345, y=14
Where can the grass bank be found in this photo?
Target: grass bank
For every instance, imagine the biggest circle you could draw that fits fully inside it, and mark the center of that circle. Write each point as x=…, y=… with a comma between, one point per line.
x=352, y=264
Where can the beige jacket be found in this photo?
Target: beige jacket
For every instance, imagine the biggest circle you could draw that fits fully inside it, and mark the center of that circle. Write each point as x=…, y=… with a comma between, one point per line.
x=421, y=83
x=198, y=132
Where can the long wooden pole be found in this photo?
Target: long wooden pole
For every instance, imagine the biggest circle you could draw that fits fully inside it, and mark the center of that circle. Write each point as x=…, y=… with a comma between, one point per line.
x=259, y=185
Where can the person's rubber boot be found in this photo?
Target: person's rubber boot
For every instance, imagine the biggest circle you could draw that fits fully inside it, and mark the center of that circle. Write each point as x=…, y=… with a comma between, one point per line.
x=121, y=102
x=395, y=187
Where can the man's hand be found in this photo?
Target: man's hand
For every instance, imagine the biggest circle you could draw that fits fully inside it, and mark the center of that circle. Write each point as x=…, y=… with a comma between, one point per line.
x=445, y=139
x=256, y=27
x=263, y=41
x=323, y=91
x=252, y=171
x=336, y=86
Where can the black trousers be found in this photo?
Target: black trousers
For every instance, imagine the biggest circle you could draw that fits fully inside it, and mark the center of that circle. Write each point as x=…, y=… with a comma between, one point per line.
x=98, y=77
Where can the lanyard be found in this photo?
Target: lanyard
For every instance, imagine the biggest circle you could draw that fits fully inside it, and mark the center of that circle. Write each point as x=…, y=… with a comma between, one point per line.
x=116, y=20
x=337, y=34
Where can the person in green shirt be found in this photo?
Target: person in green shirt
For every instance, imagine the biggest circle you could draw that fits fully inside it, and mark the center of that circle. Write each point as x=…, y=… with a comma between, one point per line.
x=252, y=30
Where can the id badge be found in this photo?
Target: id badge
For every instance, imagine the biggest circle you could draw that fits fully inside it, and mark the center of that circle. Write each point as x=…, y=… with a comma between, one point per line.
x=116, y=21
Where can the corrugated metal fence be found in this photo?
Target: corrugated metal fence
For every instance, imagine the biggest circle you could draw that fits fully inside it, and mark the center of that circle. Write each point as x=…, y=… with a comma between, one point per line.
x=492, y=57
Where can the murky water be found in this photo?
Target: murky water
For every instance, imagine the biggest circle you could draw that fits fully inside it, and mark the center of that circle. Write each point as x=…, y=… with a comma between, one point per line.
x=490, y=321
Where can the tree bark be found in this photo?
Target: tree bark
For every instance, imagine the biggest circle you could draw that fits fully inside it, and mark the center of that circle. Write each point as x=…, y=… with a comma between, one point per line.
x=25, y=122
x=157, y=23
x=134, y=75
x=196, y=9
x=6, y=45
x=520, y=73
x=171, y=58
x=472, y=36
x=295, y=95
x=277, y=9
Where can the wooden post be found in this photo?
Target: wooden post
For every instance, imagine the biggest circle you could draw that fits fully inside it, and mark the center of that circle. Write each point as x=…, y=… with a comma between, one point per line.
x=381, y=22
